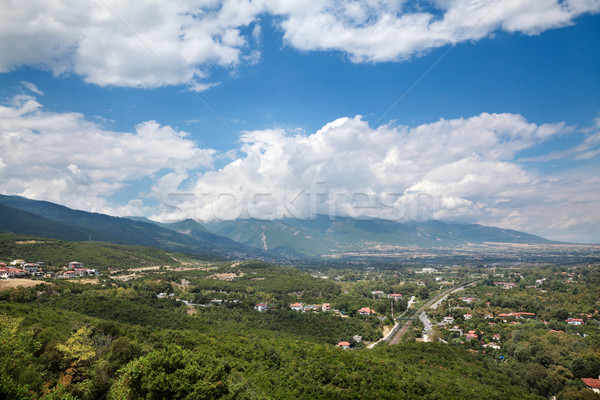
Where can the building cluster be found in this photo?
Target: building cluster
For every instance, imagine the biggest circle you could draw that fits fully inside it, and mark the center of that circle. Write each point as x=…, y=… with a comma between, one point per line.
x=24, y=269
x=20, y=268
x=76, y=269
x=325, y=307
x=506, y=285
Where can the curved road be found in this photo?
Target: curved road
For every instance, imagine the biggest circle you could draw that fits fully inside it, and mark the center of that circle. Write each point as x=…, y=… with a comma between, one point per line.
x=433, y=303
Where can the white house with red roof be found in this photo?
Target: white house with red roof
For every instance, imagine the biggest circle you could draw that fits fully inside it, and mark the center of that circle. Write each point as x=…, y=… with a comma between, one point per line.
x=325, y=307
x=592, y=383
x=11, y=272
x=506, y=285
x=344, y=345
x=297, y=306
x=574, y=321
x=366, y=311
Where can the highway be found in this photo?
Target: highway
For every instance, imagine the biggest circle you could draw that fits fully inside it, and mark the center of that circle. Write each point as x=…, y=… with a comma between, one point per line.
x=436, y=301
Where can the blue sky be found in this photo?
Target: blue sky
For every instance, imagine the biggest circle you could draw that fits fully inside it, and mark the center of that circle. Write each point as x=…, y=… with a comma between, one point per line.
x=271, y=109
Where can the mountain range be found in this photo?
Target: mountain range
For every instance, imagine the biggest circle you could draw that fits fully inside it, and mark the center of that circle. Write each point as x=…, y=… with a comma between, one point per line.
x=42, y=218
x=323, y=236
x=284, y=238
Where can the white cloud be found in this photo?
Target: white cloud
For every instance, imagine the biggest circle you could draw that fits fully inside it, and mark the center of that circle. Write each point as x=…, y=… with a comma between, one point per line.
x=63, y=157
x=158, y=42
x=32, y=87
x=463, y=169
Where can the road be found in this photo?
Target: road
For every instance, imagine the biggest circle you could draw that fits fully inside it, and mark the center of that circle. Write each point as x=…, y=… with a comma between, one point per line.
x=427, y=327
x=435, y=301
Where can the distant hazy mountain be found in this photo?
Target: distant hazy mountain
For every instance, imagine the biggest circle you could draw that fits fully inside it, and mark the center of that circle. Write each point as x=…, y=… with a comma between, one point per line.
x=325, y=236
x=42, y=218
x=289, y=238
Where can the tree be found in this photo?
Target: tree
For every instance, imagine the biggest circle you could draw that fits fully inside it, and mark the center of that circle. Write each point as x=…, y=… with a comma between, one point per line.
x=585, y=367
x=172, y=373
x=16, y=355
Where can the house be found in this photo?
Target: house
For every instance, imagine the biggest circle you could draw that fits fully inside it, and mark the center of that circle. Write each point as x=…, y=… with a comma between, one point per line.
x=448, y=320
x=325, y=307
x=394, y=296
x=471, y=335
x=69, y=274
x=592, y=383
x=467, y=316
x=344, y=345
x=506, y=285
x=525, y=315
x=17, y=262
x=261, y=307
x=11, y=272
x=496, y=336
x=468, y=300
x=29, y=267
x=378, y=293
x=297, y=306
x=492, y=345
x=366, y=311
x=75, y=265
x=574, y=321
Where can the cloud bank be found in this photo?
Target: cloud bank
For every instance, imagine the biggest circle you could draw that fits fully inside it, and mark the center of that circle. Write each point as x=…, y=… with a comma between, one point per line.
x=157, y=43
x=67, y=159
x=465, y=169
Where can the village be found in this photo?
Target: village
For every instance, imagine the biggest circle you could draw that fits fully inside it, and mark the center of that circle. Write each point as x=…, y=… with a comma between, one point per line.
x=24, y=269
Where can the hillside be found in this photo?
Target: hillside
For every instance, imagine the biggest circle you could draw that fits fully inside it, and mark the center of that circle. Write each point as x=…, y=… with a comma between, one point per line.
x=242, y=238
x=322, y=235
x=98, y=255
x=52, y=220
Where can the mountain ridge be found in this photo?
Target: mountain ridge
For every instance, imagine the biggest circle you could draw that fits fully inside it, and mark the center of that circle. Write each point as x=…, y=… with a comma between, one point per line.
x=277, y=239
x=21, y=215
x=323, y=235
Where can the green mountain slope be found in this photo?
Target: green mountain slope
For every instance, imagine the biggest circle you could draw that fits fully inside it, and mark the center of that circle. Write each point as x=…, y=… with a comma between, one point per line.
x=58, y=220
x=15, y=220
x=97, y=255
x=324, y=236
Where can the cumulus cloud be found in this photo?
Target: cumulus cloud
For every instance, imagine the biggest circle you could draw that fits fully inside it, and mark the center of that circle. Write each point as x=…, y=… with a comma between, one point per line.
x=158, y=42
x=465, y=169
x=63, y=157
x=374, y=31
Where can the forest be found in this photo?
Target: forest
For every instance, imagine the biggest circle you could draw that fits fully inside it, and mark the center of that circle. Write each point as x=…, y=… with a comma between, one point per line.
x=194, y=333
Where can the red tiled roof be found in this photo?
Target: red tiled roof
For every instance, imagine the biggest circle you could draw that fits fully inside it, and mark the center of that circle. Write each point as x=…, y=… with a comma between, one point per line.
x=591, y=382
x=343, y=344
x=296, y=305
